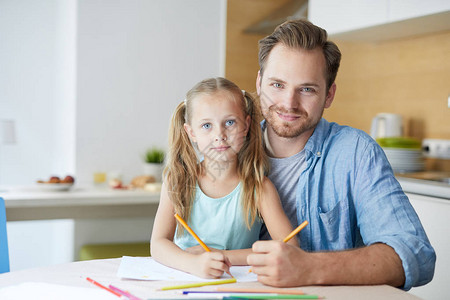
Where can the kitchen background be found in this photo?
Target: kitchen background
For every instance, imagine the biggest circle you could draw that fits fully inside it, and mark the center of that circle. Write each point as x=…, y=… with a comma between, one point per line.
x=91, y=84
x=408, y=75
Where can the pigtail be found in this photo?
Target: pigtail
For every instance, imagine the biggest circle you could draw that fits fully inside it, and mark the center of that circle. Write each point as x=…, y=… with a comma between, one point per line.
x=181, y=171
x=253, y=163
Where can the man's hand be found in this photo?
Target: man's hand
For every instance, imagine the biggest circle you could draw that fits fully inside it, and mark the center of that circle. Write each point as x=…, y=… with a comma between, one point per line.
x=279, y=264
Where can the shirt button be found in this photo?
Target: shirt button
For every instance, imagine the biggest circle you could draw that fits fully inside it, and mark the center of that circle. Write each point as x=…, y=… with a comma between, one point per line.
x=318, y=153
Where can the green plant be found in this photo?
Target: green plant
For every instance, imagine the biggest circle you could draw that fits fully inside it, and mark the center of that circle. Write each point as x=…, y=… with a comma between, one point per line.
x=154, y=155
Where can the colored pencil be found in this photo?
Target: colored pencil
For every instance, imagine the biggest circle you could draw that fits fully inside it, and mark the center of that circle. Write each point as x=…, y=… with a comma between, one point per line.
x=198, y=284
x=256, y=290
x=125, y=293
x=216, y=295
x=207, y=294
x=103, y=287
x=292, y=234
x=186, y=226
x=295, y=231
x=272, y=296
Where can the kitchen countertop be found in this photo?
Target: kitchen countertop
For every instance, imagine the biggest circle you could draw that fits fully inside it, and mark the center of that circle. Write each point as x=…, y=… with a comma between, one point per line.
x=77, y=203
x=87, y=202
x=425, y=187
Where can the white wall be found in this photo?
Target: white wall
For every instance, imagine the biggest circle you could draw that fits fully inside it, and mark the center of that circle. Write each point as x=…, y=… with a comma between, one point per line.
x=136, y=60
x=31, y=64
x=91, y=84
x=37, y=56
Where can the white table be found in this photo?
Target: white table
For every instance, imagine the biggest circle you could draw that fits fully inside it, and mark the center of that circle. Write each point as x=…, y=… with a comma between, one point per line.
x=78, y=203
x=104, y=271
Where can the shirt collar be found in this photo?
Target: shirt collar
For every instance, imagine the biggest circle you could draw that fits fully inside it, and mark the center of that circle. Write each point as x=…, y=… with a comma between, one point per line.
x=317, y=139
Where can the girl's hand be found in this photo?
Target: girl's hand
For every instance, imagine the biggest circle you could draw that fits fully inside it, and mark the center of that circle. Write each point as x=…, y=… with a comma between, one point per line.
x=211, y=265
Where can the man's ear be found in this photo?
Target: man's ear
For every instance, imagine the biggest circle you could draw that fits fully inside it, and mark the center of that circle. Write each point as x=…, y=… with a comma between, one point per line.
x=330, y=95
x=190, y=132
x=258, y=83
x=248, y=121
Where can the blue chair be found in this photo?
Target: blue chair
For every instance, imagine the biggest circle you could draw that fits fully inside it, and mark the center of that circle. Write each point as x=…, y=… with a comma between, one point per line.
x=4, y=255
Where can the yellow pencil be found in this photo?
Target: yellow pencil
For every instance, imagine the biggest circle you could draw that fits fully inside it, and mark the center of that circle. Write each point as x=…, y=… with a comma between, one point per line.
x=292, y=234
x=186, y=226
x=198, y=284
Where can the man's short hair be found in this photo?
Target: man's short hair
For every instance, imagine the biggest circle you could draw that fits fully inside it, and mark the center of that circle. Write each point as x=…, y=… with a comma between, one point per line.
x=304, y=35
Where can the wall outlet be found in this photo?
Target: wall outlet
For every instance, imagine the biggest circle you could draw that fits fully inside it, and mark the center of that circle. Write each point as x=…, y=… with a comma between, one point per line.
x=436, y=148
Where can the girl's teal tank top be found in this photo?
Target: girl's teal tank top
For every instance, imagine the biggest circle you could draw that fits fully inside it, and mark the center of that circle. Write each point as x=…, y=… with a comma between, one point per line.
x=219, y=223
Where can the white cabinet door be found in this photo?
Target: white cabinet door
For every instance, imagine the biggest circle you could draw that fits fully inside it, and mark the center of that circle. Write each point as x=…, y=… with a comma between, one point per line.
x=402, y=10
x=345, y=15
x=434, y=213
x=337, y=16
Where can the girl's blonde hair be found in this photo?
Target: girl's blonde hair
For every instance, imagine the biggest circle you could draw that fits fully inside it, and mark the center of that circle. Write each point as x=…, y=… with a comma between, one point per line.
x=183, y=169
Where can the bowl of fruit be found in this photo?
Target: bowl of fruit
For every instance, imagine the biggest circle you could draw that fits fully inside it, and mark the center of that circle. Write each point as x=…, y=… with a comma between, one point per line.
x=55, y=183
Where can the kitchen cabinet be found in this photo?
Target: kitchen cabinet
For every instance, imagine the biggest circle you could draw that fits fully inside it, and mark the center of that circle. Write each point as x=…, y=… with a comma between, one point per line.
x=346, y=15
x=368, y=20
x=58, y=223
x=434, y=214
x=400, y=10
x=78, y=203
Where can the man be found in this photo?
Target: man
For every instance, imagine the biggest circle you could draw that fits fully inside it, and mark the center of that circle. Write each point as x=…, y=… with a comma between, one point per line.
x=362, y=228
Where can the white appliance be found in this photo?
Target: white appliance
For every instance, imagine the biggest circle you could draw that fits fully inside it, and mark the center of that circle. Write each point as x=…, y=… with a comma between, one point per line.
x=386, y=125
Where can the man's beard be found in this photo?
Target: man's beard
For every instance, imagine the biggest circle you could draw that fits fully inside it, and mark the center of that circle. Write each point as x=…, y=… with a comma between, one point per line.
x=288, y=129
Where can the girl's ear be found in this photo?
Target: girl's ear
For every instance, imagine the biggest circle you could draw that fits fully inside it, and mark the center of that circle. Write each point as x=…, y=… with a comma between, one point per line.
x=190, y=132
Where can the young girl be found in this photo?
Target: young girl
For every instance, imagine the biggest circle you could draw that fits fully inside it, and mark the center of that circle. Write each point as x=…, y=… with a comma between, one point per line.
x=215, y=180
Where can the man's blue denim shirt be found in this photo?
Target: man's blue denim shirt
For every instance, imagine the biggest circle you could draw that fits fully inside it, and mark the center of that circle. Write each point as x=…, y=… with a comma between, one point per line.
x=350, y=197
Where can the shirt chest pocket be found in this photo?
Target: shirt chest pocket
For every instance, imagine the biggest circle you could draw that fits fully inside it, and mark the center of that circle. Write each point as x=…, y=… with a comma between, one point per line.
x=334, y=226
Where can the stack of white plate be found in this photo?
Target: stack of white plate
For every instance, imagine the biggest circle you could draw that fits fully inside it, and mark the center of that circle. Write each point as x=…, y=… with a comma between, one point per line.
x=405, y=160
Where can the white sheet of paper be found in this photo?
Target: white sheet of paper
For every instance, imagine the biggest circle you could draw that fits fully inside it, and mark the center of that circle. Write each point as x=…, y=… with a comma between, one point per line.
x=146, y=268
x=49, y=291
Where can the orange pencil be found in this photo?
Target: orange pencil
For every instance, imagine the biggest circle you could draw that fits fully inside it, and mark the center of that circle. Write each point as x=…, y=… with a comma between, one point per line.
x=186, y=226
x=295, y=231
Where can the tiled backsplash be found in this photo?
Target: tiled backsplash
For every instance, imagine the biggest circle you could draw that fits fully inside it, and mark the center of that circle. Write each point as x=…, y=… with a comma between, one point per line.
x=409, y=77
